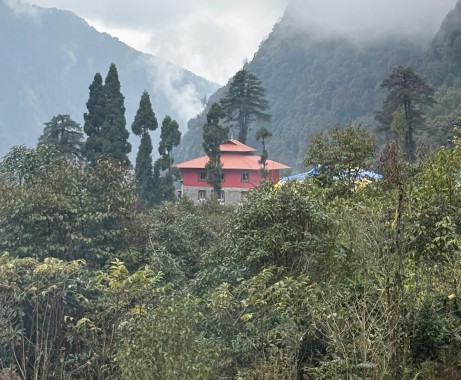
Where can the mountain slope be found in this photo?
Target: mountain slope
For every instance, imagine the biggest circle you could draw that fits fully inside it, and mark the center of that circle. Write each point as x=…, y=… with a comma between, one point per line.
x=49, y=58
x=316, y=80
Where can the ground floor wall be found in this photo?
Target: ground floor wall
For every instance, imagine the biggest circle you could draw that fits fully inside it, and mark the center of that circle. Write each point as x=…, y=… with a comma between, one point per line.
x=230, y=196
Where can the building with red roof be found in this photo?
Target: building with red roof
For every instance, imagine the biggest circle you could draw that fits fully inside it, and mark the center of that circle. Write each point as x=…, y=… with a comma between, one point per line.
x=241, y=168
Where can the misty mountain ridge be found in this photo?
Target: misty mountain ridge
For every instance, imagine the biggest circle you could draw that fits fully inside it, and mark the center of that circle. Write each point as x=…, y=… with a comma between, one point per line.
x=317, y=78
x=50, y=58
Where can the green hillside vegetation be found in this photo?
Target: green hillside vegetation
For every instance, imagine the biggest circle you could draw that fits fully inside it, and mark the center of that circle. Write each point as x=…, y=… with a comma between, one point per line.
x=316, y=80
x=48, y=56
x=320, y=279
x=104, y=274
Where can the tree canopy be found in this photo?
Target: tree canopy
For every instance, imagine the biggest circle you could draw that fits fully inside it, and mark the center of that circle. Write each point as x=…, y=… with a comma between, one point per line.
x=408, y=92
x=65, y=134
x=244, y=103
x=214, y=135
x=105, y=122
x=144, y=122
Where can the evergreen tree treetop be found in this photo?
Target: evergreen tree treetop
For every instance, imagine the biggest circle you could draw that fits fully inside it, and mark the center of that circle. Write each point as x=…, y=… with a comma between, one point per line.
x=145, y=119
x=245, y=102
x=114, y=134
x=170, y=136
x=65, y=134
x=95, y=105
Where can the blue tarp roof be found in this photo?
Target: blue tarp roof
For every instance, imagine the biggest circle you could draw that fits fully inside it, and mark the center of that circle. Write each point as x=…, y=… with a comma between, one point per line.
x=363, y=174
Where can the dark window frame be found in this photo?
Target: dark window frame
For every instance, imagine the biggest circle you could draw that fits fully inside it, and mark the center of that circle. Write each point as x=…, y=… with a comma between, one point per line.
x=202, y=176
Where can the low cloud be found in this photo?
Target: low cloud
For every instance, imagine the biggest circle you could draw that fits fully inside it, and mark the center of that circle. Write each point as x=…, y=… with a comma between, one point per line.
x=168, y=80
x=368, y=19
x=208, y=37
x=21, y=8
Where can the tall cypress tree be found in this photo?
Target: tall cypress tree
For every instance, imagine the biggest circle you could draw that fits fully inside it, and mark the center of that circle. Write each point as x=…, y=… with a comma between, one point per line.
x=144, y=122
x=213, y=136
x=114, y=134
x=94, y=119
x=170, y=137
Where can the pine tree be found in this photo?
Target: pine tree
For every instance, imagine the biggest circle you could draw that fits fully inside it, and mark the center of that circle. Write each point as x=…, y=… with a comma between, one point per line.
x=114, y=134
x=144, y=122
x=245, y=102
x=65, y=134
x=408, y=91
x=213, y=136
x=94, y=119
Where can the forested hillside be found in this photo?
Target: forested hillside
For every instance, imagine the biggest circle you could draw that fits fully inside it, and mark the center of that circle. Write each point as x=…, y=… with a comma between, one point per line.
x=49, y=58
x=327, y=278
x=316, y=80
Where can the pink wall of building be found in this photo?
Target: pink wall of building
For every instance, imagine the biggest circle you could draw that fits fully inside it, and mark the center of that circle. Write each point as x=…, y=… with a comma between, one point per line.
x=232, y=178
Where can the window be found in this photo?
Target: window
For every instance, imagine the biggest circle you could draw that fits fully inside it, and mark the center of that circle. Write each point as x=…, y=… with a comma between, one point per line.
x=202, y=176
x=201, y=195
x=245, y=177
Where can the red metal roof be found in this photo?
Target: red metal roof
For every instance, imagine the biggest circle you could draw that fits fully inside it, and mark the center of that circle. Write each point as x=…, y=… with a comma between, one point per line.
x=235, y=146
x=233, y=161
x=235, y=156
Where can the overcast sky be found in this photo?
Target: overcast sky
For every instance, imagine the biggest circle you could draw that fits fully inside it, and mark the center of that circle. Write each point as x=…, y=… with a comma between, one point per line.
x=212, y=38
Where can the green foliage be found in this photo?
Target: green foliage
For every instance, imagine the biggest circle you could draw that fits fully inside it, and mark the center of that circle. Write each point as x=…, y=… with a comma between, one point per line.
x=144, y=122
x=94, y=119
x=37, y=298
x=115, y=145
x=263, y=134
x=65, y=134
x=168, y=342
x=245, y=102
x=145, y=119
x=407, y=92
x=283, y=226
x=105, y=121
x=213, y=136
x=170, y=137
x=266, y=318
x=340, y=154
x=52, y=208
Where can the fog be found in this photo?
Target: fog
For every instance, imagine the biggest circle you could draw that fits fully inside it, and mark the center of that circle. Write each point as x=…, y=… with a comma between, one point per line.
x=369, y=19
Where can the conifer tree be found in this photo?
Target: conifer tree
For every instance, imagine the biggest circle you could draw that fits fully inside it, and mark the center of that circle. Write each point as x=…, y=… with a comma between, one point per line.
x=144, y=122
x=407, y=92
x=213, y=136
x=170, y=137
x=263, y=134
x=114, y=134
x=245, y=102
x=65, y=134
x=94, y=119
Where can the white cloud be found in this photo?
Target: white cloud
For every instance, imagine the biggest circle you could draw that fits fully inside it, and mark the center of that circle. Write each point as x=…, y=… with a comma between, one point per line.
x=213, y=37
x=167, y=79
x=208, y=37
x=20, y=8
x=366, y=19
